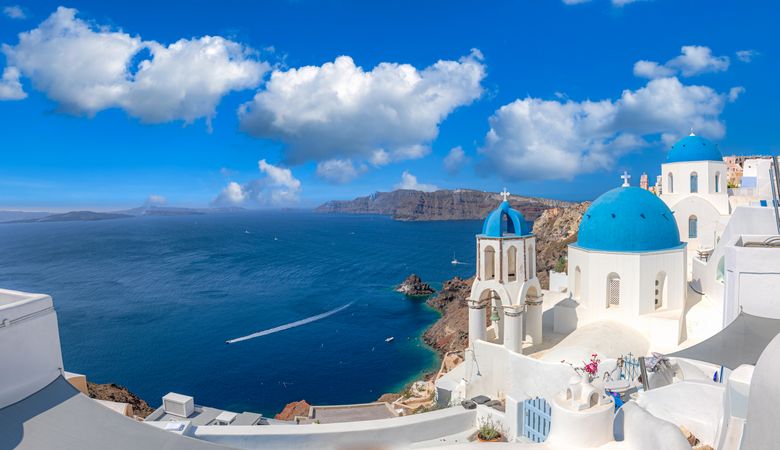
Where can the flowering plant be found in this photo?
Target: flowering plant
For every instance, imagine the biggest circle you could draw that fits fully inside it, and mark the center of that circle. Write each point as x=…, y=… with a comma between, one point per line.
x=590, y=368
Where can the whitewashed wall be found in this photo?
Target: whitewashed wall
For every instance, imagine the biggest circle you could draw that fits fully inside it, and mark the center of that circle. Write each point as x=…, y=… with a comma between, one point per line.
x=30, y=356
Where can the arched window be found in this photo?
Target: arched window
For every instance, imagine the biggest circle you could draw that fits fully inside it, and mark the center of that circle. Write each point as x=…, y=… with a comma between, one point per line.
x=577, y=282
x=694, y=182
x=721, y=272
x=660, y=290
x=670, y=177
x=693, y=232
x=717, y=182
x=490, y=263
x=512, y=257
x=613, y=290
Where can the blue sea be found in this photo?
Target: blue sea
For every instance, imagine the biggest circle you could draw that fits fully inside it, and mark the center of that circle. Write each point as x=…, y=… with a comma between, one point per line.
x=149, y=302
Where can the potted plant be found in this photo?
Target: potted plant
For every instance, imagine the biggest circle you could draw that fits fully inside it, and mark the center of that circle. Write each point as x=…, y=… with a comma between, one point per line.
x=488, y=431
x=589, y=369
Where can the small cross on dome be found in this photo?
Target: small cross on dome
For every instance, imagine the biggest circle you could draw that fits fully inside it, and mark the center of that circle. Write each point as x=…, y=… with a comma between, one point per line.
x=505, y=194
x=692, y=133
x=625, y=178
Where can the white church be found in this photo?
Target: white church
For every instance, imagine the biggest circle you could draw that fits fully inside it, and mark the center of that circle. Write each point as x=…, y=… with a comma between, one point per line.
x=663, y=333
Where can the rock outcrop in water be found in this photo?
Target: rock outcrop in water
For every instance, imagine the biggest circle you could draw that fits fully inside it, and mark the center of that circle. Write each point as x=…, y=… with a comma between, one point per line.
x=555, y=229
x=413, y=286
x=459, y=204
x=116, y=393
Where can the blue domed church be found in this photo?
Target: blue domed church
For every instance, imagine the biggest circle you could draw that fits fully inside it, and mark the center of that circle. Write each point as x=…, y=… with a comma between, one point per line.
x=628, y=264
x=505, y=305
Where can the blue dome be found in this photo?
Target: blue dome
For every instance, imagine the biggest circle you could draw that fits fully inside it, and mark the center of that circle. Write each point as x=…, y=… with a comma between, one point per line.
x=496, y=226
x=628, y=219
x=694, y=148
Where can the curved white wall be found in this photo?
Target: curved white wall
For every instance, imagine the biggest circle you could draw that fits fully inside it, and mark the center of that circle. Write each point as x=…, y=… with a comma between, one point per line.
x=30, y=355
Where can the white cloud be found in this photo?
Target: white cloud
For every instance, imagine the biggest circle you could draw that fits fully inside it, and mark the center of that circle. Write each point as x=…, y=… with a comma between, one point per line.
x=746, y=55
x=155, y=200
x=10, y=86
x=339, y=171
x=455, y=160
x=339, y=110
x=575, y=2
x=233, y=194
x=278, y=188
x=14, y=12
x=409, y=181
x=87, y=69
x=651, y=69
x=540, y=139
x=694, y=60
x=735, y=92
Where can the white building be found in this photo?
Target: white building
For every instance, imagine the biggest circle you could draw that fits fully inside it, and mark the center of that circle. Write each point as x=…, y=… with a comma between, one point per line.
x=695, y=188
x=628, y=264
x=506, y=289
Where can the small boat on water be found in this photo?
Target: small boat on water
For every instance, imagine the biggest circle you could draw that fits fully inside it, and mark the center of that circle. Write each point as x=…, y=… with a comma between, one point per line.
x=454, y=259
x=390, y=339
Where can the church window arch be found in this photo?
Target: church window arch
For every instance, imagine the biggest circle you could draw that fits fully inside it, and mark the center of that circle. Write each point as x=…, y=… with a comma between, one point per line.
x=694, y=182
x=717, y=182
x=693, y=225
x=512, y=263
x=489, y=259
x=670, y=179
x=613, y=290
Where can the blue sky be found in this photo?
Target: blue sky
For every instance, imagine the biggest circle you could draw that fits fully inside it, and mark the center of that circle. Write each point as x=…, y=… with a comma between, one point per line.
x=112, y=104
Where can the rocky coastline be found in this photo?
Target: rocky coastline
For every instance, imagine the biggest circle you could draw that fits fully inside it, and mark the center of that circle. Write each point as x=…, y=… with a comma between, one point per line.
x=554, y=229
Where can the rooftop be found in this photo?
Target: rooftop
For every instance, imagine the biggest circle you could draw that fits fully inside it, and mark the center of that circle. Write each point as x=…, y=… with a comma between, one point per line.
x=204, y=415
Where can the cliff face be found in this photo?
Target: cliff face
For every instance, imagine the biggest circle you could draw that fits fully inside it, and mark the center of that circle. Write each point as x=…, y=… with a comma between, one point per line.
x=116, y=393
x=451, y=331
x=555, y=229
x=460, y=204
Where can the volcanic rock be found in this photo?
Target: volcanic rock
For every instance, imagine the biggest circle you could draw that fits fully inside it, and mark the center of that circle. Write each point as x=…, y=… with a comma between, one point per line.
x=116, y=393
x=414, y=287
x=294, y=409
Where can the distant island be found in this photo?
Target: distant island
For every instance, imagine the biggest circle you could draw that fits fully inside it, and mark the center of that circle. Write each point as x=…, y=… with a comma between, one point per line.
x=73, y=216
x=458, y=204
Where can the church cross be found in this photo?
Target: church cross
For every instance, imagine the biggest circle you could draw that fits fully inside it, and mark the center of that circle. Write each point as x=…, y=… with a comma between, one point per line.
x=625, y=178
x=505, y=194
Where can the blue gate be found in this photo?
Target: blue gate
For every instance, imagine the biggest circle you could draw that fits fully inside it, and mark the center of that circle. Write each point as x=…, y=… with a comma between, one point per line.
x=537, y=417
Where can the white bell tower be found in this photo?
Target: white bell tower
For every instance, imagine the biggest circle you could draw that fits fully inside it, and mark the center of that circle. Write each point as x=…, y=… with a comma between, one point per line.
x=506, y=289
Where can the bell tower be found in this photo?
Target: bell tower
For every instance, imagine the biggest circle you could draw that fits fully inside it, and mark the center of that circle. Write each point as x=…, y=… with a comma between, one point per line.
x=505, y=290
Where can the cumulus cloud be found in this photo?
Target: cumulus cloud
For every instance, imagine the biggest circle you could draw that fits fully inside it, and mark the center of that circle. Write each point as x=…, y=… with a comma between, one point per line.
x=746, y=55
x=409, y=181
x=10, y=86
x=341, y=111
x=693, y=60
x=155, y=200
x=533, y=138
x=455, y=160
x=339, y=171
x=14, y=12
x=277, y=188
x=87, y=69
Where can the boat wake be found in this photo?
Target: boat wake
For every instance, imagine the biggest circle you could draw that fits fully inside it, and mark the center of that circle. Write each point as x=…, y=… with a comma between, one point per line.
x=297, y=323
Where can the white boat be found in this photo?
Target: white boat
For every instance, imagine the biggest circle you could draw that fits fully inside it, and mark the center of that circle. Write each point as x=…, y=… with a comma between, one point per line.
x=390, y=339
x=454, y=260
